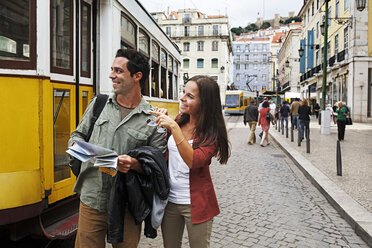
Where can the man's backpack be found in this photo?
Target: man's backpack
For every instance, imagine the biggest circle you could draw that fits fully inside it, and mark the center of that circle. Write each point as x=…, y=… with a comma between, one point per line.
x=100, y=103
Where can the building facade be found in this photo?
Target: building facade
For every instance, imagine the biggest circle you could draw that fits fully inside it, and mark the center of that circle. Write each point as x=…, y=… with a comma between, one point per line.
x=251, y=65
x=348, y=75
x=205, y=42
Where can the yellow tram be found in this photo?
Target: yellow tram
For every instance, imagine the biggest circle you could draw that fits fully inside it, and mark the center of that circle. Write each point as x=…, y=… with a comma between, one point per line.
x=237, y=100
x=54, y=56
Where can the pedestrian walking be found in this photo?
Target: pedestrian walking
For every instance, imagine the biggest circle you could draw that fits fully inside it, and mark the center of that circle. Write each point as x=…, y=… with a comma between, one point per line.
x=198, y=134
x=342, y=113
x=294, y=112
x=304, y=112
x=272, y=107
x=264, y=123
x=316, y=110
x=283, y=114
x=122, y=126
x=251, y=117
x=259, y=108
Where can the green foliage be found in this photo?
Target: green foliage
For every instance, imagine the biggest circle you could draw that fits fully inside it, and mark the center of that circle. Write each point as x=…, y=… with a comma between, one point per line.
x=290, y=19
x=265, y=25
x=237, y=31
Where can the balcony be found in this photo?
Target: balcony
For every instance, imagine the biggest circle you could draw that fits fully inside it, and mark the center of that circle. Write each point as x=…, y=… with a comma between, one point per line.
x=341, y=56
x=332, y=61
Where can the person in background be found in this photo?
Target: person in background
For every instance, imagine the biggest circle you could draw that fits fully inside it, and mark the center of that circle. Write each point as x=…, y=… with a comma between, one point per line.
x=283, y=114
x=304, y=112
x=125, y=112
x=264, y=123
x=198, y=134
x=251, y=117
x=272, y=107
x=342, y=113
x=316, y=110
x=294, y=112
x=259, y=108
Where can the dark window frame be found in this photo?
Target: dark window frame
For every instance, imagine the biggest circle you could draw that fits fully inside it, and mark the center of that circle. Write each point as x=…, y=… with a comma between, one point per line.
x=55, y=69
x=31, y=64
x=89, y=37
x=125, y=42
x=148, y=41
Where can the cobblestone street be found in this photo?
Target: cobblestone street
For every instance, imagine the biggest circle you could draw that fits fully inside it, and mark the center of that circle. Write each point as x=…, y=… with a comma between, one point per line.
x=266, y=201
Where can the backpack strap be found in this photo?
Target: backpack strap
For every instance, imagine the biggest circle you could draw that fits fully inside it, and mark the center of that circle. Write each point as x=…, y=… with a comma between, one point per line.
x=100, y=103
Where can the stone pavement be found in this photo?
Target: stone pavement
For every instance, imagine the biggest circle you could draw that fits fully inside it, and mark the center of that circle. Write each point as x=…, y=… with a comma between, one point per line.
x=351, y=193
x=266, y=201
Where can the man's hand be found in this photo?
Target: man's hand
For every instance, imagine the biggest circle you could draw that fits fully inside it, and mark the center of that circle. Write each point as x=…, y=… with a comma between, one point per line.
x=126, y=163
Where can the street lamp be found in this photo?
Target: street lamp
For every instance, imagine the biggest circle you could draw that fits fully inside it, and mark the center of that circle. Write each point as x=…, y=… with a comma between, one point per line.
x=286, y=63
x=360, y=4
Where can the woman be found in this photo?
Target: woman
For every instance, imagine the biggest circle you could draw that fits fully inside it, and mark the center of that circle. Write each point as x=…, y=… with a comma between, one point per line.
x=304, y=113
x=198, y=134
x=342, y=113
x=316, y=110
x=265, y=123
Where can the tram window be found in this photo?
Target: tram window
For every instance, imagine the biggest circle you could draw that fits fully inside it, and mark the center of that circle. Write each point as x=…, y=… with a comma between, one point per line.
x=85, y=100
x=62, y=36
x=128, y=31
x=170, y=85
x=85, y=40
x=61, y=133
x=155, y=51
x=17, y=34
x=145, y=89
x=144, y=42
x=241, y=101
x=154, y=79
x=163, y=88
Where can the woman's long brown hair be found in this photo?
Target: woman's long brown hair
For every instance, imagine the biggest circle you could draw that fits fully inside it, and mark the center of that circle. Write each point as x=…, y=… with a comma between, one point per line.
x=210, y=126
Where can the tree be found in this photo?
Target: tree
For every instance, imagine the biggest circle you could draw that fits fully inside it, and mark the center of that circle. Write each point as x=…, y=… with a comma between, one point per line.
x=295, y=18
x=237, y=31
x=265, y=25
x=251, y=27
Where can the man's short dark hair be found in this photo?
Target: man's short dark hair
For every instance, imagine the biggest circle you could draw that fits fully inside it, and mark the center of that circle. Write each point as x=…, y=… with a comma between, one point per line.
x=136, y=63
x=265, y=104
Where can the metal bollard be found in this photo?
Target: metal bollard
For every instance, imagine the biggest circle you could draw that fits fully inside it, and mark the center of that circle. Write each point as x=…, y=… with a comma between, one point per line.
x=292, y=138
x=339, y=161
x=286, y=131
x=282, y=127
x=278, y=125
x=307, y=140
x=299, y=137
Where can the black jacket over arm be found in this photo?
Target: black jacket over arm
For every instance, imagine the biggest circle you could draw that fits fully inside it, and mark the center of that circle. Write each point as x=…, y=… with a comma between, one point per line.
x=136, y=191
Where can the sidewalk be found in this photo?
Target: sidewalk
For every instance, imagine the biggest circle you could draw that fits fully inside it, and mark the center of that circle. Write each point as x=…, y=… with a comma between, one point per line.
x=351, y=193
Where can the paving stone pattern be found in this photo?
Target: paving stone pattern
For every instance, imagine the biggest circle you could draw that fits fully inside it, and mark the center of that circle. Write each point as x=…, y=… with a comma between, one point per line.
x=266, y=201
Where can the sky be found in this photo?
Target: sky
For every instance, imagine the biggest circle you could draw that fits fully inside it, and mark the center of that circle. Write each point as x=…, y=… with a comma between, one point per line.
x=240, y=12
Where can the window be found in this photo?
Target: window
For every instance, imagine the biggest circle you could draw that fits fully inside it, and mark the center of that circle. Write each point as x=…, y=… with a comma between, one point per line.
x=61, y=131
x=346, y=40
x=246, y=66
x=247, y=48
x=337, y=9
x=346, y=5
x=186, y=63
x=187, y=30
x=246, y=77
x=264, y=78
x=238, y=48
x=336, y=44
x=247, y=57
x=200, y=63
x=214, y=45
x=186, y=47
x=215, y=29
x=155, y=51
x=255, y=57
x=128, y=32
x=312, y=9
x=200, y=30
x=317, y=30
x=163, y=58
x=317, y=58
x=17, y=39
x=168, y=31
x=214, y=63
x=329, y=16
x=255, y=66
x=61, y=37
x=237, y=77
x=85, y=40
x=187, y=18
x=328, y=50
x=237, y=67
x=238, y=58
x=144, y=42
x=200, y=45
x=317, y=4
x=264, y=57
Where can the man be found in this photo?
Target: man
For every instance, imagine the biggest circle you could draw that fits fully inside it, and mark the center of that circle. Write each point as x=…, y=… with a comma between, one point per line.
x=122, y=126
x=294, y=112
x=251, y=116
x=284, y=113
x=272, y=110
